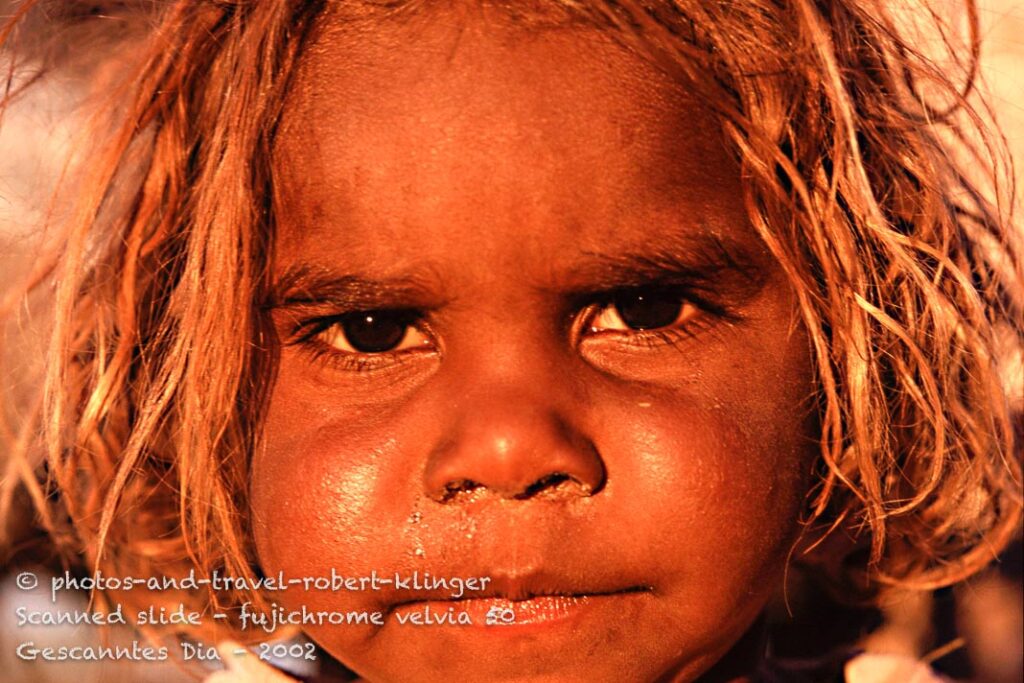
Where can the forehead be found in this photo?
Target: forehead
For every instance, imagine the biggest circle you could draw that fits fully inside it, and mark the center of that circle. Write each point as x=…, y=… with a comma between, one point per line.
x=482, y=130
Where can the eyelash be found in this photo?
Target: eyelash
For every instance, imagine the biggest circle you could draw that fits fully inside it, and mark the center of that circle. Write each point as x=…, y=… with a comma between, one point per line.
x=707, y=313
x=665, y=336
x=325, y=356
x=307, y=333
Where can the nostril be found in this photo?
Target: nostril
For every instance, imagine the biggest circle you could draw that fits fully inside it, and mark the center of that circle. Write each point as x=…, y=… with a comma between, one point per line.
x=453, y=488
x=551, y=483
x=554, y=484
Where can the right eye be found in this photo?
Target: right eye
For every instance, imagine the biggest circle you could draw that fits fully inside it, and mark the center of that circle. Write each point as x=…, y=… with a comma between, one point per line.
x=370, y=332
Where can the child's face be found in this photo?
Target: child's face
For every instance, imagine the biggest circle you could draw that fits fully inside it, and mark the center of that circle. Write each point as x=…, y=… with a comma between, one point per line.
x=585, y=376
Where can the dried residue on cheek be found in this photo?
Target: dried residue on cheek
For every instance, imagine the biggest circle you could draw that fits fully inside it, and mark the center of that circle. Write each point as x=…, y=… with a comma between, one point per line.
x=421, y=525
x=413, y=530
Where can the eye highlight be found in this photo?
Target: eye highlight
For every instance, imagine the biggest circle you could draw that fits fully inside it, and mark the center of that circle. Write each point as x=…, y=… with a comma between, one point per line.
x=642, y=309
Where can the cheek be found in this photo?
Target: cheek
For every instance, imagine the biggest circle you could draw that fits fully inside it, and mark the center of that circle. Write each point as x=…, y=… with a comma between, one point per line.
x=716, y=476
x=319, y=484
x=712, y=479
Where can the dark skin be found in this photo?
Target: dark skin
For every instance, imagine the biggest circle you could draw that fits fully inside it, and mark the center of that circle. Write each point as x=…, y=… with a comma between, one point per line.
x=527, y=333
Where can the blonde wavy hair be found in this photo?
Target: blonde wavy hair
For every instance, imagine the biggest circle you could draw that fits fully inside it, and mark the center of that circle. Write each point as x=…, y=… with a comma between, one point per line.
x=868, y=173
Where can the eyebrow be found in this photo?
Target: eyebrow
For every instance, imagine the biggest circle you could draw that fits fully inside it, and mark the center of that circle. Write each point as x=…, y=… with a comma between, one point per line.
x=306, y=285
x=702, y=263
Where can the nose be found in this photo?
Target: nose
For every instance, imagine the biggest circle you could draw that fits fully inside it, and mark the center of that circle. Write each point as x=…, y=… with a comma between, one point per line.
x=515, y=446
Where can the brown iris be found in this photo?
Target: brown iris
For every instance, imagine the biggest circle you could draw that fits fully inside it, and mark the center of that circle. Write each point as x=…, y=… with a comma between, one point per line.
x=648, y=309
x=375, y=331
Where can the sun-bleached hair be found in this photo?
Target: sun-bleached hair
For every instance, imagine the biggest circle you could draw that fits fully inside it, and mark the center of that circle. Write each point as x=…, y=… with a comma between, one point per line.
x=867, y=172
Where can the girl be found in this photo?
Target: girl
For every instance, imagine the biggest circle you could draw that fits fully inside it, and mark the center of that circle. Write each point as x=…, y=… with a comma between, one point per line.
x=615, y=307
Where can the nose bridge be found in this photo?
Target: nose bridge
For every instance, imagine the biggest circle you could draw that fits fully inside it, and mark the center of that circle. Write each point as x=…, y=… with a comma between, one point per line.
x=516, y=440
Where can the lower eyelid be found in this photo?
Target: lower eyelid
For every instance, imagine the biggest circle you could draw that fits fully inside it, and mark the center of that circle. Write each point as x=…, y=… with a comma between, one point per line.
x=683, y=331
x=647, y=340
x=327, y=356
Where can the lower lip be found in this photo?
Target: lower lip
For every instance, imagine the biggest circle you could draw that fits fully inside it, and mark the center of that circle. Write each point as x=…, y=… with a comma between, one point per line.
x=501, y=615
x=540, y=610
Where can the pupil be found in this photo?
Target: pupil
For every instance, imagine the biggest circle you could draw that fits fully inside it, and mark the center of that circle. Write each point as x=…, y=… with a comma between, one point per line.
x=374, y=331
x=649, y=309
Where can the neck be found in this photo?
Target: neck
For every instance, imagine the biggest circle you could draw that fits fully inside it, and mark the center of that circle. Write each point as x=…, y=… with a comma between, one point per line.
x=741, y=662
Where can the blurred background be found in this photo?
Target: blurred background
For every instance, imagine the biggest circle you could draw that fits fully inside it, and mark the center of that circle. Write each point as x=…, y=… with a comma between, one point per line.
x=973, y=631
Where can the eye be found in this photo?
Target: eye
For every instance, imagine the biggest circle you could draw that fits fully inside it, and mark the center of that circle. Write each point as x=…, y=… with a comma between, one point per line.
x=643, y=309
x=372, y=332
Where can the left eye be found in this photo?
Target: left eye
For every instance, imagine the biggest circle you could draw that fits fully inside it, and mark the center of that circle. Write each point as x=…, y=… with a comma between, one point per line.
x=644, y=309
x=373, y=332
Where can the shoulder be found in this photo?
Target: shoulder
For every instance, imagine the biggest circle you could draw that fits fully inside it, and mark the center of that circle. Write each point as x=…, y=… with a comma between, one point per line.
x=882, y=668
x=244, y=667
x=850, y=667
